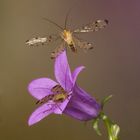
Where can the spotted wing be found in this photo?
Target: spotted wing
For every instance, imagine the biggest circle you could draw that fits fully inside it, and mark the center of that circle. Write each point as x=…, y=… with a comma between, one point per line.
x=83, y=44
x=45, y=99
x=57, y=89
x=41, y=40
x=92, y=27
x=58, y=51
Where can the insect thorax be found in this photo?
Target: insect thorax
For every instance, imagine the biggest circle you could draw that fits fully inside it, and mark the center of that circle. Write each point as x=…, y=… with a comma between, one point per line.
x=59, y=93
x=60, y=97
x=67, y=36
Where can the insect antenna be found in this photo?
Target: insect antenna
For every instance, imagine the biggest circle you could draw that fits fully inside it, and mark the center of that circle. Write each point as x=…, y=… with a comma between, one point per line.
x=52, y=22
x=66, y=19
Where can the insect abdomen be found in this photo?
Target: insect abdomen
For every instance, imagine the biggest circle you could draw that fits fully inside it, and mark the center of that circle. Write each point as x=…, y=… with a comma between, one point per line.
x=73, y=48
x=60, y=97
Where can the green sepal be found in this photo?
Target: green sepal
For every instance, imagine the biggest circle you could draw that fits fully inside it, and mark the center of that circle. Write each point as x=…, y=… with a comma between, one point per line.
x=105, y=100
x=96, y=126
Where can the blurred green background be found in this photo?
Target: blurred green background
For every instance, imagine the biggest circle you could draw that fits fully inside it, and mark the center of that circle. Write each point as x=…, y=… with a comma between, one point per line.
x=113, y=67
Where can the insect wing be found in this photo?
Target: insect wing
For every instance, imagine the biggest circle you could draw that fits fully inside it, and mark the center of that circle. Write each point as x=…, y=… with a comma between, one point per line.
x=41, y=40
x=83, y=44
x=45, y=99
x=58, y=51
x=57, y=89
x=92, y=27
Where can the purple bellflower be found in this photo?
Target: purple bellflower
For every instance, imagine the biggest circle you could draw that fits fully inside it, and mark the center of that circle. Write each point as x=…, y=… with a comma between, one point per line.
x=76, y=103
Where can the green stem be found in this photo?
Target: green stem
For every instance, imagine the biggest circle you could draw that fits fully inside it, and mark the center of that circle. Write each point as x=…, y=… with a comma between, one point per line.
x=112, y=128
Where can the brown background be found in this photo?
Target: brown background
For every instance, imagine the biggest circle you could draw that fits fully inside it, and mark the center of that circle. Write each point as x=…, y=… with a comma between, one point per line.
x=113, y=67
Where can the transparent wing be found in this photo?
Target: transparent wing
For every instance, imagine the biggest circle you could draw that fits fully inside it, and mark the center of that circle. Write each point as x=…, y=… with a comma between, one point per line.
x=83, y=44
x=58, y=51
x=92, y=27
x=41, y=40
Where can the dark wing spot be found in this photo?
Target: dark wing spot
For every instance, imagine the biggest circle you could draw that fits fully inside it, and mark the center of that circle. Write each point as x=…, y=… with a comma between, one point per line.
x=106, y=21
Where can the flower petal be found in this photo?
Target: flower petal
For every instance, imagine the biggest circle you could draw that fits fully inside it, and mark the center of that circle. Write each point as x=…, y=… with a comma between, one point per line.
x=82, y=106
x=76, y=73
x=62, y=71
x=41, y=87
x=40, y=113
x=77, y=114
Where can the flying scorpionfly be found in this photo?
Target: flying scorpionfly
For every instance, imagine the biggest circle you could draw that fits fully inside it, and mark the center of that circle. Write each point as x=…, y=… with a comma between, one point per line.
x=69, y=37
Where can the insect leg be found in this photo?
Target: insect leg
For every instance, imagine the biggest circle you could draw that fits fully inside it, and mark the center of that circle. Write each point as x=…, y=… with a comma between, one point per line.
x=58, y=107
x=57, y=51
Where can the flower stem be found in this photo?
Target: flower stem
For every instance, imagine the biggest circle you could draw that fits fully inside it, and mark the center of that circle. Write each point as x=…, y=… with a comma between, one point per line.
x=112, y=128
